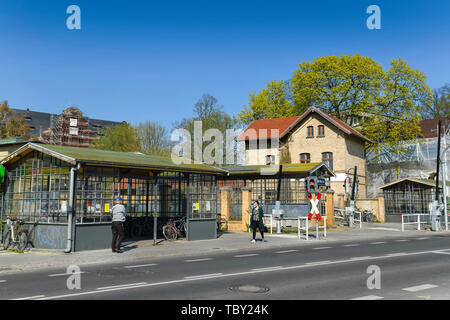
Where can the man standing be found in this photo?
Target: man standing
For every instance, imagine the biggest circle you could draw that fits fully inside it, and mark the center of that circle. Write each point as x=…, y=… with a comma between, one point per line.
x=118, y=218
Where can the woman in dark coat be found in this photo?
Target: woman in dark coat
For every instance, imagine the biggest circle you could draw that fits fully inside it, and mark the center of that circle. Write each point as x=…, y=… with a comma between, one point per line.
x=256, y=221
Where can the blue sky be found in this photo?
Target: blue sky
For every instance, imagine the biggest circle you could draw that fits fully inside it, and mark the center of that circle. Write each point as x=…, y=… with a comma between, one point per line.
x=152, y=60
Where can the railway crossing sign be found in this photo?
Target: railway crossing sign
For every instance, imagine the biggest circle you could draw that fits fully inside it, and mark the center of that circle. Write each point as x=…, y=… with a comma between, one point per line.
x=314, y=209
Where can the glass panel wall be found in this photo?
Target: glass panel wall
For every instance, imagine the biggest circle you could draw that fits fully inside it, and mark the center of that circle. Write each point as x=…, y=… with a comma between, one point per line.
x=37, y=189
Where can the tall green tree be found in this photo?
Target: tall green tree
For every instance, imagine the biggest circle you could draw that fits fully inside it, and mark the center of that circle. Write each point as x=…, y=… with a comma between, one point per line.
x=389, y=103
x=271, y=102
x=124, y=138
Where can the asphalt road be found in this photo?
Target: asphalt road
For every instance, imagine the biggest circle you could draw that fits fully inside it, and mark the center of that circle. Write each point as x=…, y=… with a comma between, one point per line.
x=410, y=268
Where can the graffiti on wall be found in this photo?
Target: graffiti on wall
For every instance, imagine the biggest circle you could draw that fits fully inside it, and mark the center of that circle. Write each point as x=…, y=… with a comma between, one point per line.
x=54, y=237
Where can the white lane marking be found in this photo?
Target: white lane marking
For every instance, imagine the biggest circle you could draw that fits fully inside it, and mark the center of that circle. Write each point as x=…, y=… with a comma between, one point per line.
x=396, y=254
x=122, y=285
x=141, y=265
x=420, y=287
x=318, y=262
x=387, y=229
x=2, y=280
x=321, y=248
x=268, y=268
x=352, y=245
x=204, y=276
x=64, y=274
x=441, y=252
x=423, y=238
x=178, y=281
x=379, y=242
x=360, y=258
x=246, y=255
x=370, y=297
x=401, y=240
x=29, y=298
x=196, y=260
x=286, y=251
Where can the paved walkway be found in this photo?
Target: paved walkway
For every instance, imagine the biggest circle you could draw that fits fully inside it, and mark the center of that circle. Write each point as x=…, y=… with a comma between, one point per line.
x=11, y=262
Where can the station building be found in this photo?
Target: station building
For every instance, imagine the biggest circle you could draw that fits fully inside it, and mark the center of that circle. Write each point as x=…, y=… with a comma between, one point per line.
x=64, y=194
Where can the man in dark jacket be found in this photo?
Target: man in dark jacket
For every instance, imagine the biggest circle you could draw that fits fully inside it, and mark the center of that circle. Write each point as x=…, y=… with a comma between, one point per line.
x=256, y=221
x=118, y=218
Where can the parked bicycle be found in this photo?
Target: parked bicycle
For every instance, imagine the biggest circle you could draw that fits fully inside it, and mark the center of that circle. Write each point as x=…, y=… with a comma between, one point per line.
x=16, y=236
x=174, y=228
x=222, y=224
x=368, y=216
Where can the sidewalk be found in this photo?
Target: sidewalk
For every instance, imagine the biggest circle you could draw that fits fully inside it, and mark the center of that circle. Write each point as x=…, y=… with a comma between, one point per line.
x=136, y=251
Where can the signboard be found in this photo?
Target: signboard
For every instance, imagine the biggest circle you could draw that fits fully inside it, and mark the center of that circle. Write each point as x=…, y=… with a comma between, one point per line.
x=73, y=131
x=313, y=183
x=107, y=207
x=73, y=122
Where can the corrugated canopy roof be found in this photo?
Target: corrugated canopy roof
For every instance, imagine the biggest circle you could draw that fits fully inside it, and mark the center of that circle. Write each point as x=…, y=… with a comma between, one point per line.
x=112, y=158
x=295, y=168
x=89, y=156
x=426, y=182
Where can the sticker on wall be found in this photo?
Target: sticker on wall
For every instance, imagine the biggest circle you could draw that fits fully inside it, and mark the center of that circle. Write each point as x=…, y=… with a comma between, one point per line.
x=107, y=209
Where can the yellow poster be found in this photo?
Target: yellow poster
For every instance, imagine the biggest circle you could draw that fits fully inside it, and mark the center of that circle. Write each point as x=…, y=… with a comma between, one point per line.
x=197, y=206
x=107, y=207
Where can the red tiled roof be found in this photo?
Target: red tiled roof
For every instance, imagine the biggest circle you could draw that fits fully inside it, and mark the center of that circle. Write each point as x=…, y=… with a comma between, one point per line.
x=429, y=127
x=284, y=125
x=267, y=128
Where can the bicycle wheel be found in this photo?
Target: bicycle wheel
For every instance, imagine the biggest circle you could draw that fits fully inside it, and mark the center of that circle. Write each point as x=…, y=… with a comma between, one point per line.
x=7, y=239
x=371, y=218
x=169, y=232
x=22, y=241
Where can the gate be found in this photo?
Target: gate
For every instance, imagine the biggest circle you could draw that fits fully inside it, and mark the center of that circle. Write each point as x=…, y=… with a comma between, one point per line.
x=236, y=204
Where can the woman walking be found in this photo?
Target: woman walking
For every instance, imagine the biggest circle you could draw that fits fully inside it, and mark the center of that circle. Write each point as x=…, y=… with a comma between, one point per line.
x=256, y=220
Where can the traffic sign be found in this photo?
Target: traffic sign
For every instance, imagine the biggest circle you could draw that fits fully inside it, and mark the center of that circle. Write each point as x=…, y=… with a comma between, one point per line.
x=313, y=183
x=314, y=209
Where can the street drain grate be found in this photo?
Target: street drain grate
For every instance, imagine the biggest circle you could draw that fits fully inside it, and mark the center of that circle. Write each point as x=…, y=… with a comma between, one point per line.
x=249, y=288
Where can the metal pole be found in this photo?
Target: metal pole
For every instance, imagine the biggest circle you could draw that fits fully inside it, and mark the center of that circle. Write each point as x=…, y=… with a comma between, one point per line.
x=435, y=221
x=155, y=218
x=444, y=180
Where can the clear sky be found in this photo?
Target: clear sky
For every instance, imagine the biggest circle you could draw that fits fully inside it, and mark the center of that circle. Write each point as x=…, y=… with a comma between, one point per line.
x=152, y=60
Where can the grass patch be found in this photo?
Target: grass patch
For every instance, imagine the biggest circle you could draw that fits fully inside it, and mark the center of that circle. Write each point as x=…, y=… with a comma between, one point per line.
x=16, y=251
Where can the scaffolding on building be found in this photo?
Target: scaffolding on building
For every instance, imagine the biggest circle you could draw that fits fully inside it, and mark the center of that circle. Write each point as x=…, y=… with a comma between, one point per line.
x=419, y=161
x=71, y=128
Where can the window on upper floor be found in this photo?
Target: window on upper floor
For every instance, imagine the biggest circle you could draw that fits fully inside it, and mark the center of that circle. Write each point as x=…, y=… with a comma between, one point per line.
x=270, y=159
x=305, y=158
x=310, y=132
x=327, y=158
x=321, y=132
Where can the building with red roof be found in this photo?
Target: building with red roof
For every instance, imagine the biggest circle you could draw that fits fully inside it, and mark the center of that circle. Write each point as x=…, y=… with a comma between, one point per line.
x=314, y=136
